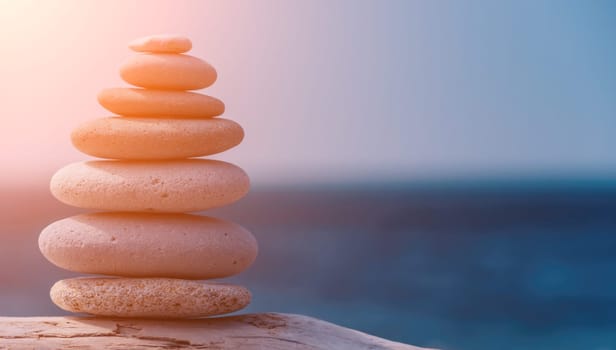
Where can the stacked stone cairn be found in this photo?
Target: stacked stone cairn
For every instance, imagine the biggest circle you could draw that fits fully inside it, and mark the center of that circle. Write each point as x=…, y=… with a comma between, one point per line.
x=155, y=256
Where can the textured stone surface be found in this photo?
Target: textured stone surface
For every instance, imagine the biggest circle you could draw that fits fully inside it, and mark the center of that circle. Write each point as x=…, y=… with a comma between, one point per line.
x=252, y=331
x=148, y=297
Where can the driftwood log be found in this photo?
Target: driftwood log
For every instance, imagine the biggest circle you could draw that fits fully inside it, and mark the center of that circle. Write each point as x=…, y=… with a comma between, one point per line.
x=252, y=331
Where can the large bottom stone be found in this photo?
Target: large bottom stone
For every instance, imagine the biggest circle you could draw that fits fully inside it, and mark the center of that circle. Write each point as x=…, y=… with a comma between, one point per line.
x=149, y=245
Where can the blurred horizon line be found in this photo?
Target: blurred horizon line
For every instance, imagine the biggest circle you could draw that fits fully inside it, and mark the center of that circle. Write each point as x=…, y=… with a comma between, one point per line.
x=472, y=182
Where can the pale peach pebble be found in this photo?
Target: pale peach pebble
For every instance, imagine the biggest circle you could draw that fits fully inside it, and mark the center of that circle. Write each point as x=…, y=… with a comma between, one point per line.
x=165, y=71
x=168, y=43
x=160, y=103
x=156, y=138
x=156, y=186
x=149, y=245
x=148, y=297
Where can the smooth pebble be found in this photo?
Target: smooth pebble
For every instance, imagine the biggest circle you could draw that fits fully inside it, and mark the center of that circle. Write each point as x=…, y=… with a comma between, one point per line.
x=163, y=43
x=156, y=138
x=135, y=102
x=156, y=186
x=149, y=245
x=167, y=72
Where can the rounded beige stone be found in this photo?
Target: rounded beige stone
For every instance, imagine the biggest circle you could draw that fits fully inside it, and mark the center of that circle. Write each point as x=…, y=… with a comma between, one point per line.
x=167, y=71
x=149, y=245
x=160, y=103
x=156, y=138
x=159, y=186
x=162, y=43
x=148, y=297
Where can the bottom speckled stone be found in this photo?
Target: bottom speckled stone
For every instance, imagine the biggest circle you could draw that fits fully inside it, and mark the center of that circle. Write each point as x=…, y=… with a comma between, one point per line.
x=148, y=297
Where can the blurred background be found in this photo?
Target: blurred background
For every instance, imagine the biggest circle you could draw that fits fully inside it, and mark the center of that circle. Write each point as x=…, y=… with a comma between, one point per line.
x=440, y=173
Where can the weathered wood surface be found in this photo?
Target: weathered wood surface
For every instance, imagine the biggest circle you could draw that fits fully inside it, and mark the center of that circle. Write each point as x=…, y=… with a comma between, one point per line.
x=252, y=331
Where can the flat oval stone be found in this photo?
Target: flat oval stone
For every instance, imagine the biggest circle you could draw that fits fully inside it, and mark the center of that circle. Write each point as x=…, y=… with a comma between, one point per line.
x=165, y=71
x=163, y=43
x=156, y=138
x=148, y=297
x=160, y=103
x=159, y=186
x=149, y=245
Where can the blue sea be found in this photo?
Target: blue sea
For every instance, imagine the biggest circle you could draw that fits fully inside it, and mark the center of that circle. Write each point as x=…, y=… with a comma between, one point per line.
x=461, y=267
x=454, y=267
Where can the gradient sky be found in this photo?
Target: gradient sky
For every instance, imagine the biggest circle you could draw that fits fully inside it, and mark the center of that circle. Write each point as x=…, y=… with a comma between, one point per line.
x=332, y=91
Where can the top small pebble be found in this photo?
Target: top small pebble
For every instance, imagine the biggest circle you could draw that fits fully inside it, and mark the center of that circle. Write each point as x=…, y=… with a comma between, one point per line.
x=163, y=43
